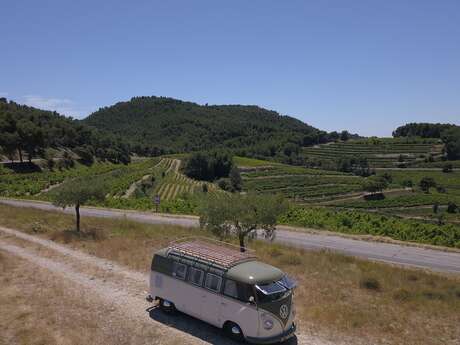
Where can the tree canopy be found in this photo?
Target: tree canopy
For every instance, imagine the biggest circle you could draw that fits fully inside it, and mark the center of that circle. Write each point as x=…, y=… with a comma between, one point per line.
x=30, y=130
x=78, y=192
x=375, y=184
x=208, y=166
x=241, y=215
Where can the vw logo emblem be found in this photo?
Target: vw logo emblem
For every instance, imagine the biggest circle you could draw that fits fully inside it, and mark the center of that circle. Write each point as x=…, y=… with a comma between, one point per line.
x=284, y=311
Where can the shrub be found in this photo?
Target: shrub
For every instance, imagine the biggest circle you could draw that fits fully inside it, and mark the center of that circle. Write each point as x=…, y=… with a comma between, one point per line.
x=370, y=284
x=224, y=184
x=447, y=168
x=426, y=183
x=452, y=207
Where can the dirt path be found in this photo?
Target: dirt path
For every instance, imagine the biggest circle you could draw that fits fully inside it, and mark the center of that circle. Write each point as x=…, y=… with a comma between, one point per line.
x=119, y=288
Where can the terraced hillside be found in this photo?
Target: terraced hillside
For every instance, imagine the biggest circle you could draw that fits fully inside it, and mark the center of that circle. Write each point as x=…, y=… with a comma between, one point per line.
x=379, y=153
x=128, y=186
x=175, y=183
x=297, y=183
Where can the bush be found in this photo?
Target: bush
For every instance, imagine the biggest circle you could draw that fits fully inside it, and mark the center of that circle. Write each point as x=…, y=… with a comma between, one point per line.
x=224, y=184
x=426, y=183
x=370, y=284
x=447, y=168
x=452, y=207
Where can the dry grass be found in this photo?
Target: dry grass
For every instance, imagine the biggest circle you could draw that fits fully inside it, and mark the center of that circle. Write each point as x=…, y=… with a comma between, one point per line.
x=337, y=295
x=39, y=308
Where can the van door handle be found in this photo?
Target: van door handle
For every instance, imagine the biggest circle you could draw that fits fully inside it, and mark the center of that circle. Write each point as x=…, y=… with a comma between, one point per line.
x=223, y=303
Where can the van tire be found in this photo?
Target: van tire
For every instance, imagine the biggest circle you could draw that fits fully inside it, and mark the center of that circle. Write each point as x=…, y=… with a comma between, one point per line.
x=229, y=330
x=167, y=306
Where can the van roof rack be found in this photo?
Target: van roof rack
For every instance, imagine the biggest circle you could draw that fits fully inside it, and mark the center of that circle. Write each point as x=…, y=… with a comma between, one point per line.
x=220, y=253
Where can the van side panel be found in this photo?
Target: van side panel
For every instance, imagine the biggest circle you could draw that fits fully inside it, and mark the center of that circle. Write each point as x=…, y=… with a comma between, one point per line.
x=186, y=298
x=244, y=315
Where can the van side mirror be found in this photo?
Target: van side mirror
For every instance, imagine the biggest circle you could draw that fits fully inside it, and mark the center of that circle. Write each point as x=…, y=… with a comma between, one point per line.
x=251, y=300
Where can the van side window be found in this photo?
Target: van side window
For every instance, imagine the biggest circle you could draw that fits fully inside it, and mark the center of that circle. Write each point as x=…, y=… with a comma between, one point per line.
x=196, y=276
x=179, y=270
x=213, y=282
x=231, y=289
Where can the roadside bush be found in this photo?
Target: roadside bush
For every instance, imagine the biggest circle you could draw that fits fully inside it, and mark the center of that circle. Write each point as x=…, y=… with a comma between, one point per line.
x=370, y=284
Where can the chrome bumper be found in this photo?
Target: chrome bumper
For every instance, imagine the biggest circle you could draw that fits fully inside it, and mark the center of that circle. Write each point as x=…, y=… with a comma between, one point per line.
x=274, y=339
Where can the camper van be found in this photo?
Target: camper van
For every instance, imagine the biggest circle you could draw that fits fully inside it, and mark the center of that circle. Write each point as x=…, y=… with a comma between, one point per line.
x=215, y=282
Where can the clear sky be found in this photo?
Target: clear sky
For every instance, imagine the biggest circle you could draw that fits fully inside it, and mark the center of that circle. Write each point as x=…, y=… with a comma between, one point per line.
x=366, y=66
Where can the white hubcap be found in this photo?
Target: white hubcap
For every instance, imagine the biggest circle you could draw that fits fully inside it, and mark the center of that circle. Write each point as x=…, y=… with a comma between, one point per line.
x=235, y=330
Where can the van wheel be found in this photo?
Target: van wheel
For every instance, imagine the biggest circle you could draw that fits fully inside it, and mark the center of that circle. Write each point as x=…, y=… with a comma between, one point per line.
x=233, y=331
x=167, y=306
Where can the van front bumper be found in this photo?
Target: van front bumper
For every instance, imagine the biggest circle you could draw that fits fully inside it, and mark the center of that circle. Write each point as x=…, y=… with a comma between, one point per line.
x=274, y=339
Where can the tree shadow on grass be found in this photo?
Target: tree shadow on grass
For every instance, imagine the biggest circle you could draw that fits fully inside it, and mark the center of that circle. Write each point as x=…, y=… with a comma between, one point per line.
x=197, y=328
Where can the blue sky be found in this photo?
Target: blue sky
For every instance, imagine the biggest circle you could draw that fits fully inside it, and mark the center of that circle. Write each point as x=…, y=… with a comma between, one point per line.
x=366, y=66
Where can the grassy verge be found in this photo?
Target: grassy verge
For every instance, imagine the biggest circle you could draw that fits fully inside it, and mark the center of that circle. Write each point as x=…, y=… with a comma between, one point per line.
x=337, y=295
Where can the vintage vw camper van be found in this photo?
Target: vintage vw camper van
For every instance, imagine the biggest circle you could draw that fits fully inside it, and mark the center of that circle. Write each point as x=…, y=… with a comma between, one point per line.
x=218, y=284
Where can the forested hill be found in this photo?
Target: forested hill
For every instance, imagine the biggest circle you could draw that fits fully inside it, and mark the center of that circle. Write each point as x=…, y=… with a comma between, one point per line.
x=424, y=130
x=155, y=125
x=26, y=133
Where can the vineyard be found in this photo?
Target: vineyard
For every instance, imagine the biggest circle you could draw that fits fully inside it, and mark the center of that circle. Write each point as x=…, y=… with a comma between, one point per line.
x=133, y=185
x=297, y=183
x=175, y=183
x=380, y=153
x=355, y=222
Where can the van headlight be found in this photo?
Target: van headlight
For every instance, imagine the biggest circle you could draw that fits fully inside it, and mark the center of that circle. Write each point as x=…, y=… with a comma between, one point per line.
x=268, y=324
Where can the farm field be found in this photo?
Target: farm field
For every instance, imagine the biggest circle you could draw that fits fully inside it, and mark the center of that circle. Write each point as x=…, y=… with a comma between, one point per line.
x=294, y=182
x=130, y=186
x=379, y=153
x=315, y=191
x=448, y=182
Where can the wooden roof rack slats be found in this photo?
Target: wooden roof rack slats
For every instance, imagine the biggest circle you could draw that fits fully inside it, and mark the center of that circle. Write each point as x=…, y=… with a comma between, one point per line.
x=216, y=252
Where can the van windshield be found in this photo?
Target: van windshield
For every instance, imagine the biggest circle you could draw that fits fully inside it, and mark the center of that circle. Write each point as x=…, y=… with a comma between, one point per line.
x=271, y=292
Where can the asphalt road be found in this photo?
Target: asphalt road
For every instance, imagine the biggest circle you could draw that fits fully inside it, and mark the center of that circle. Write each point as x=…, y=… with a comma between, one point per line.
x=391, y=253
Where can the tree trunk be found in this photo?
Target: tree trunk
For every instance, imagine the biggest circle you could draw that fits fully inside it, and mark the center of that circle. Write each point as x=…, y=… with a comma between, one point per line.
x=20, y=155
x=77, y=211
x=242, y=246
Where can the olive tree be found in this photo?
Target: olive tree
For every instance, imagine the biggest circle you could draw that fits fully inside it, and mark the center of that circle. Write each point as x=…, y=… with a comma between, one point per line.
x=375, y=184
x=426, y=183
x=77, y=193
x=240, y=215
